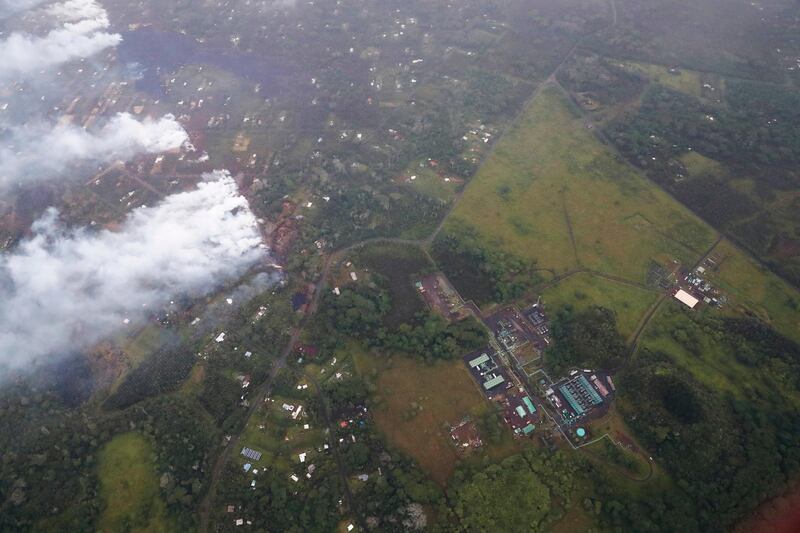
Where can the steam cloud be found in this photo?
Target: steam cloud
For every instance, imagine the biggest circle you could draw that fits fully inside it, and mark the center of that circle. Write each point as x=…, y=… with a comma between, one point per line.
x=24, y=54
x=11, y=7
x=38, y=152
x=73, y=10
x=64, y=289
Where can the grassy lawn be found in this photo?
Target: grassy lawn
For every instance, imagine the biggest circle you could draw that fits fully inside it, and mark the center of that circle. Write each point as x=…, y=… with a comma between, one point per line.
x=274, y=433
x=583, y=289
x=129, y=487
x=414, y=402
x=549, y=168
x=684, y=81
x=635, y=465
x=749, y=284
x=194, y=383
x=699, y=165
x=429, y=183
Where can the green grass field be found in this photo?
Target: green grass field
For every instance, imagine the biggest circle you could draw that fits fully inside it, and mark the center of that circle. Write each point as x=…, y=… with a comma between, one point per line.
x=698, y=165
x=749, y=284
x=584, y=289
x=429, y=183
x=684, y=81
x=143, y=344
x=129, y=487
x=414, y=402
x=274, y=433
x=549, y=168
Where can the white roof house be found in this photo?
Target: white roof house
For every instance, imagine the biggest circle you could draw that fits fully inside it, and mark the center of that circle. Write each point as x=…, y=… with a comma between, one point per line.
x=686, y=298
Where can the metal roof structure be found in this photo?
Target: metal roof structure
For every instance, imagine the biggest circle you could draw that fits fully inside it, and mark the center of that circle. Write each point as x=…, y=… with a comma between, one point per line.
x=529, y=404
x=573, y=402
x=586, y=386
x=686, y=298
x=495, y=381
x=478, y=361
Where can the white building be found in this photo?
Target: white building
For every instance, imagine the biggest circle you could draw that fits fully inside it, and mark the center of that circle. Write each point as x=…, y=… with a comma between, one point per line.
x=686, y=298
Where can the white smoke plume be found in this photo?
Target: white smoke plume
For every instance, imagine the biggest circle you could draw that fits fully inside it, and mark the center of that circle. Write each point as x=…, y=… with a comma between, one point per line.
x=40, y=151
x=25, y=54
x=12, y=7
x=63, y=290
x=73, y=10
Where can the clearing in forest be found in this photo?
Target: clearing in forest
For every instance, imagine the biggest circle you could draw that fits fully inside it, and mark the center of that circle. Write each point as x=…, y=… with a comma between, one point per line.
x=678, y=79
x=414, y=402
x=129, y=487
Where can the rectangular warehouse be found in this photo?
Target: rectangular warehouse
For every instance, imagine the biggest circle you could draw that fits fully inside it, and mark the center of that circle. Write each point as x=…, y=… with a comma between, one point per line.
x=687, y=299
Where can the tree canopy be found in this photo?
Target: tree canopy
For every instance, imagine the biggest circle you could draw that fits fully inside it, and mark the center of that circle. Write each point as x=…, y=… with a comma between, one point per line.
x=587, y=338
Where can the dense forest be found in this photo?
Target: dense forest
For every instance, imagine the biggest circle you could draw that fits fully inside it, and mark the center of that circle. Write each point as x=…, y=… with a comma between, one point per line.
x=358, y=313
x=725, y=451
x=480, y=274
x=587, y=338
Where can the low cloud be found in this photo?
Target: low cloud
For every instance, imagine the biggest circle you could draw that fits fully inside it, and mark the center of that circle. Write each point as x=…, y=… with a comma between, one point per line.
x=25, y=54
x=73, y=10
x=40, y=151
x=12, y=7
x=62, y=290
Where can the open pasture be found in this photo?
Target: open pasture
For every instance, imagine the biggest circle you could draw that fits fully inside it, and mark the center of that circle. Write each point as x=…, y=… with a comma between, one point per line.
x=553, y=193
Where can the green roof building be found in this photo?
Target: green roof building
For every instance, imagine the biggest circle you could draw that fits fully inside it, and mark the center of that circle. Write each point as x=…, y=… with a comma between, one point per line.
x=529, y=404
x=584, y=383
x=576, y=406
x=495, y=381
x=478, y=361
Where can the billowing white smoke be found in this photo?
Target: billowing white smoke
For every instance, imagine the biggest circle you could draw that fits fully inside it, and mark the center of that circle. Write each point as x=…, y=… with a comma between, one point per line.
x=73, y=10
x=24, y=54
x=40, y=151
x=62, y=290
x=11, y=7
